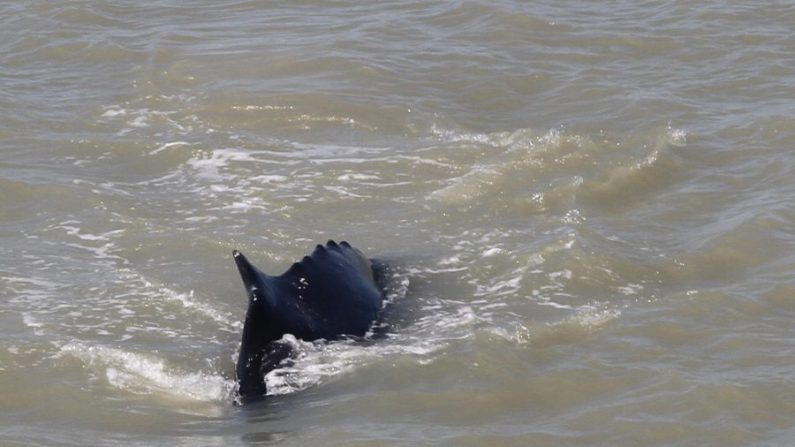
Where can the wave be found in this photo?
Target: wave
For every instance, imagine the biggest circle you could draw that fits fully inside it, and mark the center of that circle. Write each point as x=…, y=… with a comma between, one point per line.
x=149, y=374
x=557, y=171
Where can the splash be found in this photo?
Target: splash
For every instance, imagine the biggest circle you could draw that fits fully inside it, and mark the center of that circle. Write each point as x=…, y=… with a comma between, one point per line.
x=676, y=137
x=317, y=362
x=149, y=375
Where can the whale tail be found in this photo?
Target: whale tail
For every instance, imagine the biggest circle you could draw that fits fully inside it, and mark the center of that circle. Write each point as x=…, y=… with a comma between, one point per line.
x=335, y=291
x=247, y=271
x=264, y=324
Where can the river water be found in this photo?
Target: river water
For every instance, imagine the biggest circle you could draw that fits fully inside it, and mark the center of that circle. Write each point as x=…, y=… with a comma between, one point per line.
x=587, y=208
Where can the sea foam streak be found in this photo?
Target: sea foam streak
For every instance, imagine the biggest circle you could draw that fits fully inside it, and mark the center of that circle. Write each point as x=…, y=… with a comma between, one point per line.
x=148, y=374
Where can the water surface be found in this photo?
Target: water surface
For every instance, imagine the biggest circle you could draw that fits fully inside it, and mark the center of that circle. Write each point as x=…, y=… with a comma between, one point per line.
x=588, y=209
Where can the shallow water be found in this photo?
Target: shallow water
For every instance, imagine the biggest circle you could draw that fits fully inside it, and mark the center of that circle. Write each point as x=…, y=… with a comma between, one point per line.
x=587, y=209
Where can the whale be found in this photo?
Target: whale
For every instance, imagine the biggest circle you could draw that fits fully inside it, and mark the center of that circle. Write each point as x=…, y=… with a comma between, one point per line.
x=334, y=292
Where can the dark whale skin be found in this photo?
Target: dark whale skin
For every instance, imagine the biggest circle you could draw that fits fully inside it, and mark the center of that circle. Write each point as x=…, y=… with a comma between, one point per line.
x=335, y=291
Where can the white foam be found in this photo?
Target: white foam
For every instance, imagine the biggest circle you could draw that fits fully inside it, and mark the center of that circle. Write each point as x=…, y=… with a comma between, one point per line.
x=426, y=161
x=630, y=289
x=546, y=301
x=148, y=374
x=40, y=283
x=517, y=333
x=32, y=322
x=508, y=286
x=676, y=137
x=269, y=179
x=565, y=274
x=32, y=294
x=451, y=260
x=468, y=187
x=165, y=146
x=316, y=362
x=520, y=139
x=246, y=204
x=573, y=217
x=142, y=118
x=208, y=166
x=335, y=152
x=76, y=231
x=492, y=252
x=503, y=157
x=159, y=293
x=250, y=108
x=344, y=192
x=312, y=365
x=458, y=136
x=594, y=316
x=188, y=301
x=114, y=111
x=139, y=121
x=356, y=177
x=446, y=321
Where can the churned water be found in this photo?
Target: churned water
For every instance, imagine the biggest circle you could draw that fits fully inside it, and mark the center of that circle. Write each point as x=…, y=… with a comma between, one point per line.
x=588, y=208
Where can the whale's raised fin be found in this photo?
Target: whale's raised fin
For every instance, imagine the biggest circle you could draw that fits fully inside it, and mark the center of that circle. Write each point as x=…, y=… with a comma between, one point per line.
x=270, y=314
x=335, y=291
x=248, y=273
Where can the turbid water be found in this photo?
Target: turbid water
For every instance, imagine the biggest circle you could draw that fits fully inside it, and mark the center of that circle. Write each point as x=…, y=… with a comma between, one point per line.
x=587, y=208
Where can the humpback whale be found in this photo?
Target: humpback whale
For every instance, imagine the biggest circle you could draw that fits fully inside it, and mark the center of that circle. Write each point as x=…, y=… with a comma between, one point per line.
x=335, y=291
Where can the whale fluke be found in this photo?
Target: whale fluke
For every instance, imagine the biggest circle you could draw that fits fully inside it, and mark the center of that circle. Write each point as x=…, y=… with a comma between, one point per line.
x=333, y=292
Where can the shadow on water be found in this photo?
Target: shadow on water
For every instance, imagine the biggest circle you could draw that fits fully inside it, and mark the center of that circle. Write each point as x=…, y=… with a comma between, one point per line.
x=267, y=421
x=280, y=418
